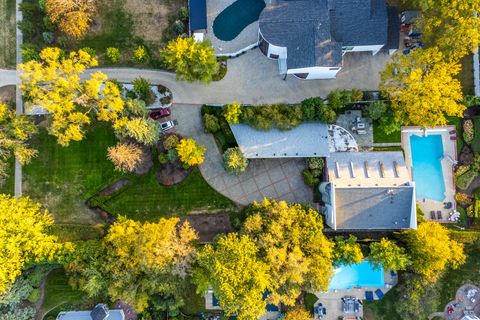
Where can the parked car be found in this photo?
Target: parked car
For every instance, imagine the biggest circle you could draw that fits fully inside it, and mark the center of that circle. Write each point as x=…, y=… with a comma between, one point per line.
x=167, y=125
x=160, y=113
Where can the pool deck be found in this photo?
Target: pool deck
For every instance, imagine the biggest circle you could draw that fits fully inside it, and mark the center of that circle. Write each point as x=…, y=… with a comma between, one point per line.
x=450, y=156
x=331, y=300
x=247, y=37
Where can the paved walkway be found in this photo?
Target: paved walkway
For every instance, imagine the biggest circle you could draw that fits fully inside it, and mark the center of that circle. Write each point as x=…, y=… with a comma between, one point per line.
x=18, y=94
x=8, y=77
x=280, y=179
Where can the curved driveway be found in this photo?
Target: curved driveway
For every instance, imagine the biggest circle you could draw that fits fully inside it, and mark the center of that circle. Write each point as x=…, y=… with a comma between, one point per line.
x=253, y=79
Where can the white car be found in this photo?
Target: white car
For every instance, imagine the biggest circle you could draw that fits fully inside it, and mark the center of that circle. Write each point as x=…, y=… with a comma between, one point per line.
x=167, y=125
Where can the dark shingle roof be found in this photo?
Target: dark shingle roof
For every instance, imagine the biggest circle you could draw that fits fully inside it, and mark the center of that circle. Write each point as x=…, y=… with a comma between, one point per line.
x=359, y=22
x=313, y=31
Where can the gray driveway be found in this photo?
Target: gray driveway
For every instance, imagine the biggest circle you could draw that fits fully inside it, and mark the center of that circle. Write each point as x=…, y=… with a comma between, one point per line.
x=8, y=77
x=280, y=179
x=254, y=79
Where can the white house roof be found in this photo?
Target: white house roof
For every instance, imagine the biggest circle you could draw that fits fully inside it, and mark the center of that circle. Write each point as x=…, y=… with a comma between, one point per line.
x=306, y=140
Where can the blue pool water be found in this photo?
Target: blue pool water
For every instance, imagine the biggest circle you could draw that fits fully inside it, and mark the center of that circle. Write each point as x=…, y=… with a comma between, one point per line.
x=427, y=153
x=357, y=275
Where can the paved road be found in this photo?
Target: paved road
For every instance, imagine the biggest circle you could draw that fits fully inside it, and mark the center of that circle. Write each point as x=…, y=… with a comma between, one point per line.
x=8, y=77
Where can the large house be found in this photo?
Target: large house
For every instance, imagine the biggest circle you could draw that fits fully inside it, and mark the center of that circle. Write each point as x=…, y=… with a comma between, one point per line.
x=368, y=191
x=310, y=37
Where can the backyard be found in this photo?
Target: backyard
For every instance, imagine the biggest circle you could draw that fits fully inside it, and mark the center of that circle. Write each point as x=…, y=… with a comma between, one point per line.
x=63, y=178
x=7, y=34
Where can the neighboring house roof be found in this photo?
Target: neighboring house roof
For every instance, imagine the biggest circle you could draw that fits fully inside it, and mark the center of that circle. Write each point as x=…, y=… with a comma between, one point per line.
x=314, y=31
x=305, y=140
x=100, y=312
x=393, y=41
x=197, y=11
x=373, y=207
x=368, y=191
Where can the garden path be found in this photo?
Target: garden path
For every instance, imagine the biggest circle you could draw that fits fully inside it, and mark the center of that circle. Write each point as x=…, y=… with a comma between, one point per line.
x=280, y=179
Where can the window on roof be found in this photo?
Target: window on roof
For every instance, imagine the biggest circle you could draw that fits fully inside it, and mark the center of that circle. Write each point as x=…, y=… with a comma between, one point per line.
x=301, y=75
x=274, y=56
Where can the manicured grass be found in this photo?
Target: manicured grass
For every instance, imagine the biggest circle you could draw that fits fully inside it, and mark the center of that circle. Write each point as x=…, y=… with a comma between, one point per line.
x=309, y=301
x=466, y=75
x=381, y=137
x=75, y=232
x=145, y=199
x=8, y=183
x=382, y=309
x=476, y=139
x=7, y=34
x=456, y=121
x=59, y=293
x=61, y=178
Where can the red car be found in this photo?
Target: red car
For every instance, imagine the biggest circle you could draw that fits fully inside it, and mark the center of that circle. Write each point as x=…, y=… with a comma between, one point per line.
x=160, y=113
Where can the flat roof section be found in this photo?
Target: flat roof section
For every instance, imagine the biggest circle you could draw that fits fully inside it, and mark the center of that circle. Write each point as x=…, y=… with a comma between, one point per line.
x=374, y=208
x=197, y=10
x=305, y=141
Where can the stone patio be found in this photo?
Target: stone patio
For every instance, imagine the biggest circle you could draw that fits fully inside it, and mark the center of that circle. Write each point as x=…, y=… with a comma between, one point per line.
x=348, y=120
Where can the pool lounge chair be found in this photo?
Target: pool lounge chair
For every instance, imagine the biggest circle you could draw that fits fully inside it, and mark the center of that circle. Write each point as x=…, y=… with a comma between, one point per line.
x=453, y=138
x=393, y=273
x=439, y=215
x=432, y=215
x=369, y=296
x=379, y=294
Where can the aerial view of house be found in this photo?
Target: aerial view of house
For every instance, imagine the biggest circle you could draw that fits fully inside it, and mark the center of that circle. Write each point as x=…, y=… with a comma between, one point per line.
x=239, y=159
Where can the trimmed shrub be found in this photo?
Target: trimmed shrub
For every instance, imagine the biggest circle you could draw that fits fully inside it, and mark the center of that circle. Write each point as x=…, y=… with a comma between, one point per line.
x=461, y=170
x=463, y=199
x=375, y=110
x=183, y=13
x=465, y=179
x=143, y=90
x=468, y=131
x=29, y=52
x=90, y=51
x=232, y=112
x=210, y=123
x=140, y=54
x=335, y=99
x=163, y=158
x=234, y=161
x=113, y=54
x=357, y=95
x=171, y=142
x=315, y=163
x=476, y=194
x=309, y=179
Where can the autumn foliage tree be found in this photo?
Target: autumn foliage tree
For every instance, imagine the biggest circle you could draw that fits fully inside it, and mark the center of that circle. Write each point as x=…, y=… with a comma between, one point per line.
x=292, y=245
x=125, y=156
x=53, y=83
x=431, y=250
x=73, y=17
x=232, y=112
x=423, y=88
x=138, y=263
x=238, y=278
x=234, y=161
x=388, y=254
x=191, y=60
x=189, y=153
x=298, y=313
x=14, y=135
x=23, y=237
x=347, y=251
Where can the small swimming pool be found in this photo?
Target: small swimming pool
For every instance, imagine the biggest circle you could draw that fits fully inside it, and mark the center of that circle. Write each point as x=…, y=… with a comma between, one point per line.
x=427, y=152
x=357, y=275
x=233, y=19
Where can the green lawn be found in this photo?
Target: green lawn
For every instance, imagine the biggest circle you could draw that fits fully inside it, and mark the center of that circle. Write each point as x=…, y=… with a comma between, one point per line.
x=466, y=75
x=381, y=137
x=7, y=184
x=7, y=34
x=457, y=123
x=61, y=178
x=476, y=140
x=145, y=199
x=194, y=303
x=59, y=295
x=76, y=232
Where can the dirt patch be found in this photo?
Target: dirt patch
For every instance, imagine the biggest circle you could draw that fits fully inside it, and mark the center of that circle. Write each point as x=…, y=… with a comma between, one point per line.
x=209, y=226
x=150, y=17
x=7, y=94
x=114, y=187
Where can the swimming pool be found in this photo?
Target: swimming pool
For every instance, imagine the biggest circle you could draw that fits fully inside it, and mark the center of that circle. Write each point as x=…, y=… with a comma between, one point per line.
x=357, y=275
x=233, y=19
x=427, y=152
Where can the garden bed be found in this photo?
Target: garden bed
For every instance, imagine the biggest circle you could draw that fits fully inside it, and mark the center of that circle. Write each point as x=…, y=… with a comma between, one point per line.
x=224, y=137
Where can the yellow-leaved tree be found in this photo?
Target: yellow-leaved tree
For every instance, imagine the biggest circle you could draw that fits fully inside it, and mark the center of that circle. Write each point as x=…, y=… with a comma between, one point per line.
x=189, y=153
x=453, y=26
x=191, y=60
x=238, y=277
x=232, y=112
x=54, y=84
x=138, y=263
x=14, y=135
x=431, y=250
x=293, y=246
x=73, y=17
x=23, y=237
x=422, y=88
x=125, y=156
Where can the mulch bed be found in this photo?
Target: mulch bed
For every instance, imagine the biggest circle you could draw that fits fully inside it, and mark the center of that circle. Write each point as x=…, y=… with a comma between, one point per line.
x=209, y=226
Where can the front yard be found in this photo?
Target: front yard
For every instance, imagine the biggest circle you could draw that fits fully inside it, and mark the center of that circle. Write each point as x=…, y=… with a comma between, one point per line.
x=64, y=178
